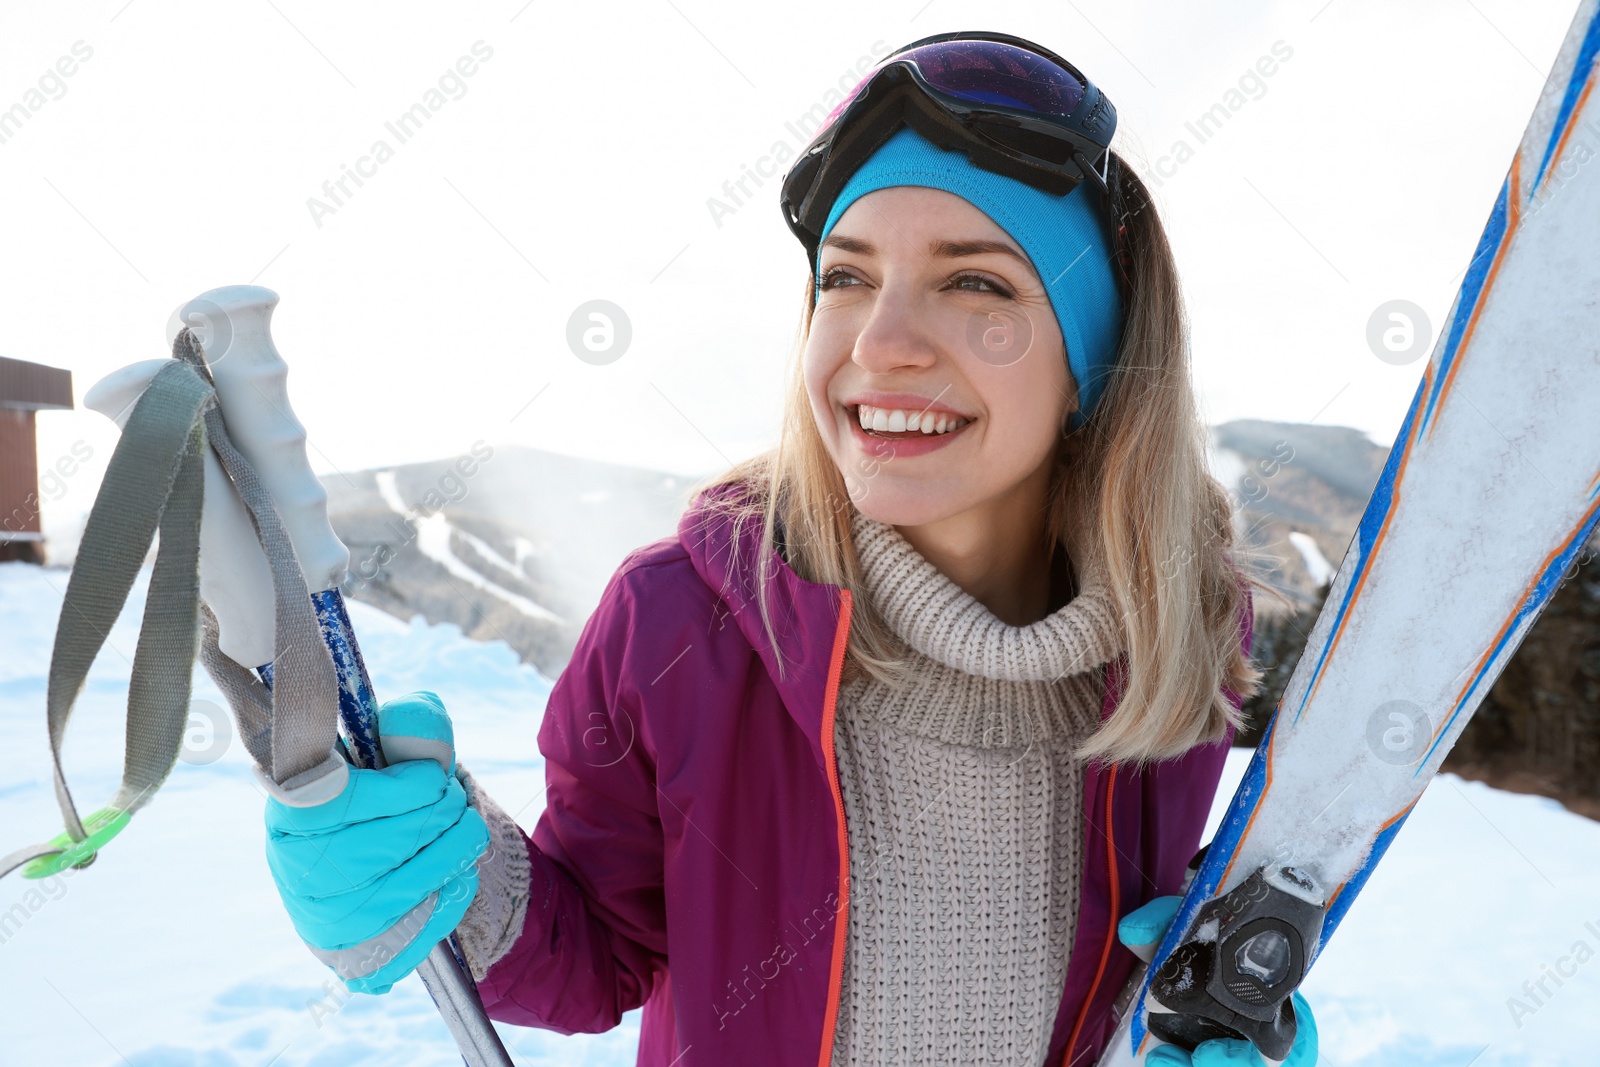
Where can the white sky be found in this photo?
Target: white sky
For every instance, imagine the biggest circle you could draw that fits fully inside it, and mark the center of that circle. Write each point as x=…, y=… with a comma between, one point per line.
x=428, y=310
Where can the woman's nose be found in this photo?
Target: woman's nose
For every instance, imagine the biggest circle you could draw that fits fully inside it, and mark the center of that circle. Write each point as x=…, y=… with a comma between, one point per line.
x=896, y=333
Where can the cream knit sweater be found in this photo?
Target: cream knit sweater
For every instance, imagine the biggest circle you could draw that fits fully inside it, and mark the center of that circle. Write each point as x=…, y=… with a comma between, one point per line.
x=963, y=806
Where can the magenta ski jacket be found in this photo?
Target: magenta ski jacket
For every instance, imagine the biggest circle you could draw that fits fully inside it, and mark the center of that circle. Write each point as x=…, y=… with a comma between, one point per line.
x=692, y=857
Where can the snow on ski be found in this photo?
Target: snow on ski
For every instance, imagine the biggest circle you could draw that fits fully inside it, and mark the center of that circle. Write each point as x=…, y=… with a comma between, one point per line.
x=1488, y=496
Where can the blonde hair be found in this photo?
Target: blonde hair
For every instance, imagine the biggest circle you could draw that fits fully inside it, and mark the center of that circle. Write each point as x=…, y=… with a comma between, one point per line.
x=1164, y=526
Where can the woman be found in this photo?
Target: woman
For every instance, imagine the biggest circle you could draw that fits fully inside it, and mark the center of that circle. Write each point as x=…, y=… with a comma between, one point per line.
x=866, y=764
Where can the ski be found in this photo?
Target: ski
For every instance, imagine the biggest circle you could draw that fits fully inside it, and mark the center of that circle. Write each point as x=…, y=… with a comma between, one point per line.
x=1494, y=480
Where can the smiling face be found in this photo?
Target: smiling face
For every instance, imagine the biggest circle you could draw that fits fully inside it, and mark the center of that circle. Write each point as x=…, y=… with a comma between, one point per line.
x=934, y=364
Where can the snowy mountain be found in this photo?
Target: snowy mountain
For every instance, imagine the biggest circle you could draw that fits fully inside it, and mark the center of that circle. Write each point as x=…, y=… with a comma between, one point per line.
x=516, y=544
x=510, y=544
x=1299, y=490
x=1473, y=943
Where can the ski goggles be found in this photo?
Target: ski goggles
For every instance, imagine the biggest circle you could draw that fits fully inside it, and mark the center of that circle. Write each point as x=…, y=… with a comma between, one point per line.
x=1013, y=107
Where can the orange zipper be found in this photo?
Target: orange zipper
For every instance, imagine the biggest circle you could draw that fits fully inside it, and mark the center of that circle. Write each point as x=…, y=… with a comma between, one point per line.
x=841, y=918
x=1111, y=929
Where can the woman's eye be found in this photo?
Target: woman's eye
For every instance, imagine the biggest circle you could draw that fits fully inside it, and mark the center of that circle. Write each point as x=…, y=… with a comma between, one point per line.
x=972, y=283
x=991, y=286
x=829, y=275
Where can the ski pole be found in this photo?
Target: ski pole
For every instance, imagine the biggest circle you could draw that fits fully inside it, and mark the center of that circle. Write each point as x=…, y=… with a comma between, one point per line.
x=444, y=973
x=233, y=326
x=250, y=378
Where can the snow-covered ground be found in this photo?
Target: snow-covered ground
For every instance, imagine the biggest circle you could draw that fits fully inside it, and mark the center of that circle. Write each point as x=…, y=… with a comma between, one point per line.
x=173, y=950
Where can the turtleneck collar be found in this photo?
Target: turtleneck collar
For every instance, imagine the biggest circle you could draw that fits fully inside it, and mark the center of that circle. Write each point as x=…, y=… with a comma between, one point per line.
x=935, y=616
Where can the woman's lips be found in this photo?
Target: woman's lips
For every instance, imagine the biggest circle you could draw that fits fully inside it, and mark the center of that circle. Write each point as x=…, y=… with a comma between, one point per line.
x=886, y=445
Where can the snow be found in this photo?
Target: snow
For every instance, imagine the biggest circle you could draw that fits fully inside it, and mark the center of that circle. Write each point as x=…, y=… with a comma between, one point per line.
x=173, y=949
x=433, y=541
x=1317, y=564
x=1227, y=466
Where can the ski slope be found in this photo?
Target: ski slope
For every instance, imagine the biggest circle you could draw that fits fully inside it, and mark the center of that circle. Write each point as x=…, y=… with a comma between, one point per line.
x=173, y=950
x=433, y=540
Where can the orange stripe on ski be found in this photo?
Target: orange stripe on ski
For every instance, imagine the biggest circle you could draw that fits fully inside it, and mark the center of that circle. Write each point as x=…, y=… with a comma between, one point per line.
x=1377, y=543
x=1511, y=618
x=1513, y=219
x=1266, y=787
x=1397, y=816
x=1572, y=122
x=1402, y=813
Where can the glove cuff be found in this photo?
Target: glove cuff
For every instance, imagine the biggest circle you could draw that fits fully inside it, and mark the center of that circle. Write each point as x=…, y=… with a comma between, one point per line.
x=495, y=918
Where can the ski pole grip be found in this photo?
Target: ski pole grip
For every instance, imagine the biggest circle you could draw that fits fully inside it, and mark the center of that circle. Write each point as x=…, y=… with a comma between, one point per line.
x=234, y=578
x=233, y=325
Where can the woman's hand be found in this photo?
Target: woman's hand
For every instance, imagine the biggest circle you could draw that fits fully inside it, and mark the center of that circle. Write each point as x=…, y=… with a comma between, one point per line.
x=375, y=877
x=1142, y=930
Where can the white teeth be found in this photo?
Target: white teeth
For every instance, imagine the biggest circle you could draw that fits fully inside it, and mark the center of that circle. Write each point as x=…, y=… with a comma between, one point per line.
x=887, y=420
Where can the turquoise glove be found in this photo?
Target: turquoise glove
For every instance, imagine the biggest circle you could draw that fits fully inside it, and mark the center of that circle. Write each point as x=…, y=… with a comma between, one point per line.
x=1142, y=930
x=376, y=876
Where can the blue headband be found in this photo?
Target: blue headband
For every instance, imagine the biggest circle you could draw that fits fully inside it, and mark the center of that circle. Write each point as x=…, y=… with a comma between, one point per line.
x=1063, y=236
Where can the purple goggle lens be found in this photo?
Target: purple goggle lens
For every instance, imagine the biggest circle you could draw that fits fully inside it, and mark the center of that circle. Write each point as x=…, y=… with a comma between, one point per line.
x=985, y=72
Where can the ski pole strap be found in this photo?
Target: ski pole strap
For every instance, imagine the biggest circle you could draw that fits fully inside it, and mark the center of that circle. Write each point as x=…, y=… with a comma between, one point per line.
x=289, y=728
x=155, y=481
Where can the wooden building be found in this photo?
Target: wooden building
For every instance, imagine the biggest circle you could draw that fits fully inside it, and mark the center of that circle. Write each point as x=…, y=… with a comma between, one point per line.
x=24, y=389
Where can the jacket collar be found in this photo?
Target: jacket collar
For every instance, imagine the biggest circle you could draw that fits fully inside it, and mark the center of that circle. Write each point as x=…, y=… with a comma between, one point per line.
x=805, y=615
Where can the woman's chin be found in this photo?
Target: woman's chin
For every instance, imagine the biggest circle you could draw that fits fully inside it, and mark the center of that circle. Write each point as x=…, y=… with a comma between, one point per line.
x=908, y=505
